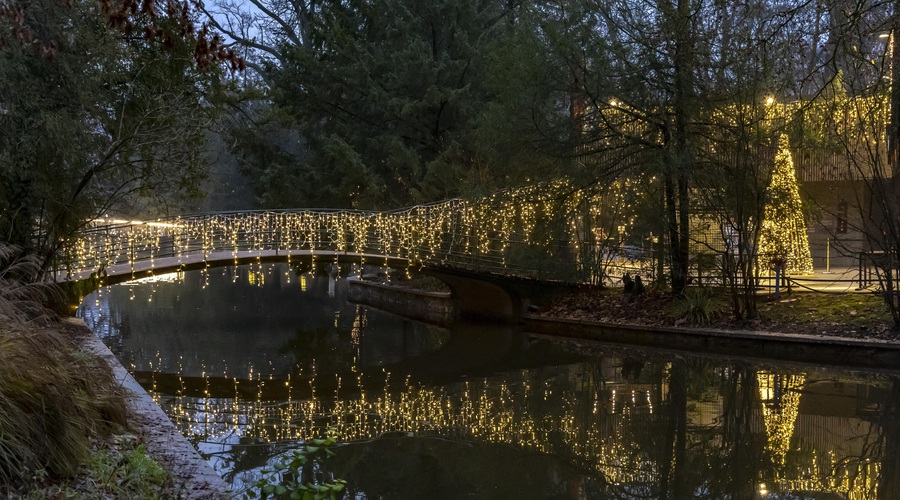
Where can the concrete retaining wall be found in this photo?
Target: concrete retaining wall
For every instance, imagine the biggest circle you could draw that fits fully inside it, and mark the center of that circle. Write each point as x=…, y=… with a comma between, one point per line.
x=194, y=478
x=430, y=307
x=764, y=345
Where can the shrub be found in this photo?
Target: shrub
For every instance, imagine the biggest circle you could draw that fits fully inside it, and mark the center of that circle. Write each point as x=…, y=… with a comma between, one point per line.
x=119, y=469
x=696, y=306
x=54, y=399
x=23, y=292
x=128, y=473
x=298, y=475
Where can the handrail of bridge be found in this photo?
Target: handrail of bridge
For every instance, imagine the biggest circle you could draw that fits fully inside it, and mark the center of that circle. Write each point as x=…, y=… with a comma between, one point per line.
x=100, y=224
x=449, y=235
x=492, y=235
x=533, y=233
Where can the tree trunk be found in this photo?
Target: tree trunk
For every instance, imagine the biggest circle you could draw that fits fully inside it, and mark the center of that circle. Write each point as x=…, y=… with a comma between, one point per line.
x=893, y=138
x=684, y=162
x=889, y=482
x=672, y=469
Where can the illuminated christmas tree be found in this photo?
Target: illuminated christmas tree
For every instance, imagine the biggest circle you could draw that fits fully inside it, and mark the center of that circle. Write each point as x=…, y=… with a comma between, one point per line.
x=783, y=233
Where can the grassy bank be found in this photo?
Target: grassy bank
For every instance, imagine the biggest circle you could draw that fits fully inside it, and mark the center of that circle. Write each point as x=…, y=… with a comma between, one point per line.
x=63, y=417
x=857, y=315
x=63, y=422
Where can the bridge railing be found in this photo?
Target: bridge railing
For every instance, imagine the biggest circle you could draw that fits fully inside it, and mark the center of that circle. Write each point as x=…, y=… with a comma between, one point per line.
x=450, y=234
x=447, y=234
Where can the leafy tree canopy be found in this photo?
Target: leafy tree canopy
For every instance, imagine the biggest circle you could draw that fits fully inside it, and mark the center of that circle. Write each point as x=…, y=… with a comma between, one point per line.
x=94, y=118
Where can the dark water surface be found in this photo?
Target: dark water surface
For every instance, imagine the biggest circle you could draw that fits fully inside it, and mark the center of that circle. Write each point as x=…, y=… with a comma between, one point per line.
x=249, y=361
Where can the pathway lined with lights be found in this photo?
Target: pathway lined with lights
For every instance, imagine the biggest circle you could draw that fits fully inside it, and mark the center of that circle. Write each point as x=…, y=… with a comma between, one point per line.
x=148, y=267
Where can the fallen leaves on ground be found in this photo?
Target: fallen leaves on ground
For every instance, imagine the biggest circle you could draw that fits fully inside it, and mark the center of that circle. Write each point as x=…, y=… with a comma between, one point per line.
x=853, y=315
x=650, y=308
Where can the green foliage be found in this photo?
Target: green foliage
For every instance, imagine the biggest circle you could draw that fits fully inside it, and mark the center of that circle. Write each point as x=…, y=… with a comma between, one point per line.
x=292, y=476
x=396, y=102
x=271, y=154
x=119, y=469
x=128, y=473
x=102, y=121
x=388, y=91
x=696, y=307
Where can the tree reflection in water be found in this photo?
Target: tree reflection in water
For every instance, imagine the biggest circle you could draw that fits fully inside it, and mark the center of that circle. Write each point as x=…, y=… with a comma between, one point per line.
x=736, y=437
x=488, y=411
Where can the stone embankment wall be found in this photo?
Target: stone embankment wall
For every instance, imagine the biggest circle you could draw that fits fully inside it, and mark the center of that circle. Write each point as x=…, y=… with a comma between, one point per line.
x=430, y=307
x=194, y=477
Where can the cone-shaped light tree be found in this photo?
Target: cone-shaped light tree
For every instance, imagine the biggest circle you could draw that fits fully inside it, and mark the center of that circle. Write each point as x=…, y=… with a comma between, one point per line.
x=783, y=233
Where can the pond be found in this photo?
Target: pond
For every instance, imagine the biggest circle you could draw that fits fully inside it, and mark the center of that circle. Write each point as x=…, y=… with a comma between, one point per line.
x=251, y=361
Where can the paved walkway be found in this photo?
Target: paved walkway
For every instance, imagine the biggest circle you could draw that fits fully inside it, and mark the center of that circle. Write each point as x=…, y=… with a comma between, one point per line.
x=837, y=280
x=145, y=267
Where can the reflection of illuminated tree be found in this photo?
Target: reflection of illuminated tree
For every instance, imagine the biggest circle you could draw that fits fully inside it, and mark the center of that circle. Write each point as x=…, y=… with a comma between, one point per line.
x=780, y=396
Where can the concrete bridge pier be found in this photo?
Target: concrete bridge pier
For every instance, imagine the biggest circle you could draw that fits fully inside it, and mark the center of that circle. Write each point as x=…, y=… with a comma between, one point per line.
x=477, y=297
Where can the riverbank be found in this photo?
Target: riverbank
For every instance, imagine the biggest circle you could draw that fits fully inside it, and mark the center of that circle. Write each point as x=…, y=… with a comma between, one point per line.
x=75, y=424
x=845, y=315
x=853, y=315
x=847, y=329
x=191, y=476
x=828, y=318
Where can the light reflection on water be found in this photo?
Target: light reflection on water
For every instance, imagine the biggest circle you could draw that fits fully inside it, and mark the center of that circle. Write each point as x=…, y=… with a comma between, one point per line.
x=245, y=358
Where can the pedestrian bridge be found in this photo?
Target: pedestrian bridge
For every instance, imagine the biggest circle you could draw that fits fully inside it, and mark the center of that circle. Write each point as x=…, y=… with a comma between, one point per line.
x=539, y=233
x=476, y=247
x=509, y=234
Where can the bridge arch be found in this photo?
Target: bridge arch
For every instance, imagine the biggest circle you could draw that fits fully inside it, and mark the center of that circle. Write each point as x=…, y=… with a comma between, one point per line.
x=480, y=297
x=475, y=296
x=467, y=244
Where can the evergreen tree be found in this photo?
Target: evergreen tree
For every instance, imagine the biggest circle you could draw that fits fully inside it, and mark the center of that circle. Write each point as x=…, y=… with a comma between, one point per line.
x=783, y=232
x=386, y=94
x=392, y=102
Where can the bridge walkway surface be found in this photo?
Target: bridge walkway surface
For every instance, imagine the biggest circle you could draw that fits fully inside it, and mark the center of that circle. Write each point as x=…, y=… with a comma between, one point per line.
x=137, y=269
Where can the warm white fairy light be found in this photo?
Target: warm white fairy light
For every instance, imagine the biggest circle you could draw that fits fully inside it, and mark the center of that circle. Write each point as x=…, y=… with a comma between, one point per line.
x=783, y=232
x=489, y=411
x=448, y=232
x=780, y=396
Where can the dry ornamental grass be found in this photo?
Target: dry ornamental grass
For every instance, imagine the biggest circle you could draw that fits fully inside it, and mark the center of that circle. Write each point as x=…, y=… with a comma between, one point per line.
x=55, y=401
